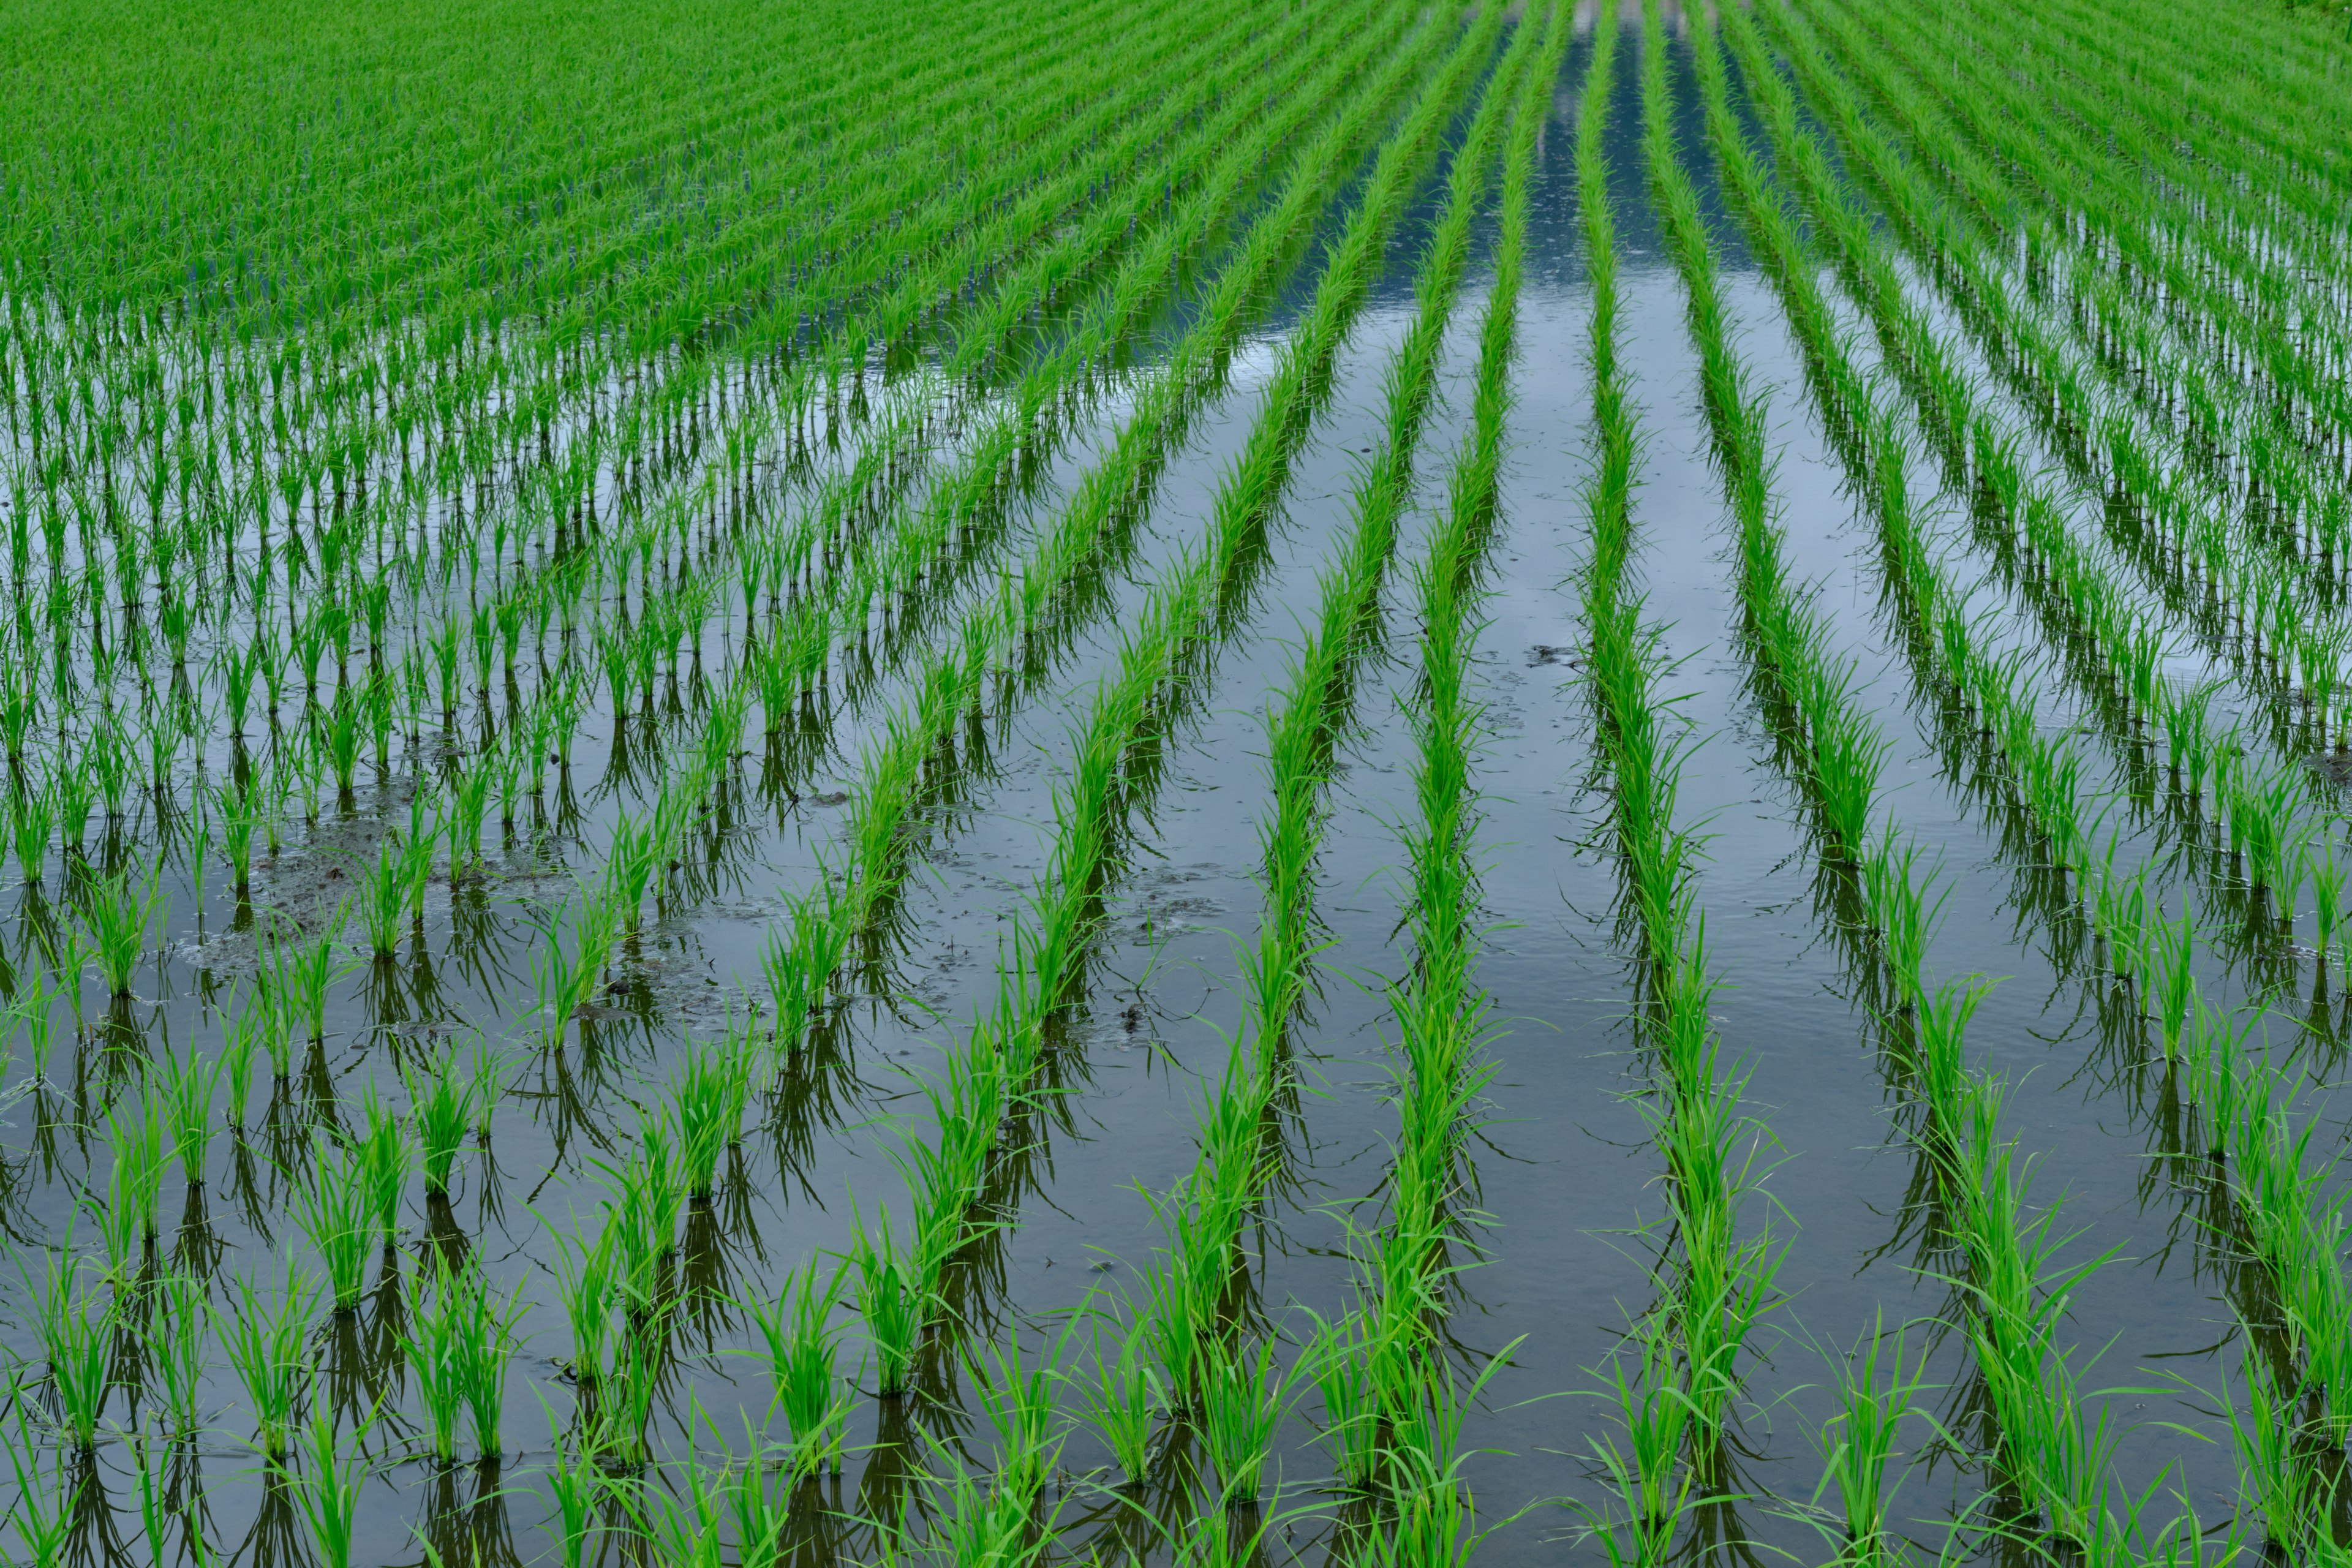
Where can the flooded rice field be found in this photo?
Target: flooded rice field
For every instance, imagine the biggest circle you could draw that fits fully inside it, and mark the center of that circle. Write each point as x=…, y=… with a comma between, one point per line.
x=1362, y=786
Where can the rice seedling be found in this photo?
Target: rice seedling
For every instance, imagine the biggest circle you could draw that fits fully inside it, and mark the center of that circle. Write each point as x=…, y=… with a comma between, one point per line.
x=141, y=1142
x=42, y=1513
x=1642, y=1462
x=335, y=1207
x=487, y=1086
x=1123, y=1401
x=625, y=1397
x=326, y=1488
x=265, y=1340
x=32, y=823
x=183, y=1350
x=801, y=1342
x=1859, y=1442
x=577, y=1487
x=188, y=1089
x=892, y=1302
x=384, y=1156
x=383, y=899
x=301, y=980
x=441, y=1109
x=75, y=1330
x=116, y=914
x=29, y=1016
x=707, y=1101
x=1242, y=1402
x=683, y=1530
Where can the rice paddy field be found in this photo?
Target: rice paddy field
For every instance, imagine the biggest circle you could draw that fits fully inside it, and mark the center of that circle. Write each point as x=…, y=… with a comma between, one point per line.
x=1222, y=784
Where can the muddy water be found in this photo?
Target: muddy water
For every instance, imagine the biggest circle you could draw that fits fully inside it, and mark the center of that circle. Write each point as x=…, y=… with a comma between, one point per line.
x=1566, y=1231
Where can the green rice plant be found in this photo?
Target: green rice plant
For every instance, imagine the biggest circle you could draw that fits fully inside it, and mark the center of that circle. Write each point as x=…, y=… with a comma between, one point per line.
x=76, y=1331
x=489, y=1349
x=1860, y=1440
x=462, y=1348
x=141, y=1142
x=383, y=899
x=976, y=1518
x=28, y=1014
x=302, y=978
x=643, y=1215
x=1434, y=1514
x=625, y=1399
x=565, y=981
x=2318, y=863
x=803, y=1345
x=1643, y=1465
x=1342, y=1358
x=326, y=1489
x=1242, y=1402
x=706, y=1101
x=31, y=820
x=2171, y=966
x=799, y=962
x=116, y=914
x=240, y=815
x=265, y=1343
x=1019, y=1400
x=685, y=1532
x=73, y=788
x=43, y=1511
x=586, y=1273
x=761, y=1514
x=416, y=848
x=335, y=1209
x=1123, y=1401
x=384, y=1155
x=188, y=1089
x=441, y=1108
x=181, y=1350
x=892, y=1300
x=486, y=1085
x=338, y=730
x=467, y=805
x=577, y=1487
x=436, y=1357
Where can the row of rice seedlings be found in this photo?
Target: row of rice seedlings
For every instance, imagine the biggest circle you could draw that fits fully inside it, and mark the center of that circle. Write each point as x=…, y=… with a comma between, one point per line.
x=1672, y=1384
x=991, y=1076
x=2260, y=815
x=1413, y=1421
x=1185, y=1317
x=2299, y=1412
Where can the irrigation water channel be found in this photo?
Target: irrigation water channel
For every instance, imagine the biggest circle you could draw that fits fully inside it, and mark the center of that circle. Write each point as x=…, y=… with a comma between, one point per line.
x=1567, y=1180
